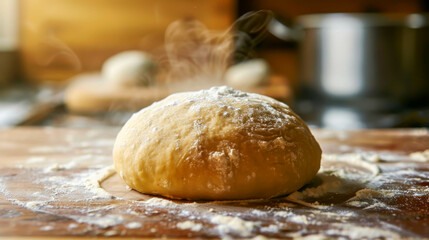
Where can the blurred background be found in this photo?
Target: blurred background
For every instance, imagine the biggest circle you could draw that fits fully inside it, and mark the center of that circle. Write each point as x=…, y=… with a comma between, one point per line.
x=339, y=64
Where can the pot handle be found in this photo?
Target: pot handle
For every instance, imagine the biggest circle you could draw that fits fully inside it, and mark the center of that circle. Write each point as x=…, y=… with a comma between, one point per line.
x=282, y=29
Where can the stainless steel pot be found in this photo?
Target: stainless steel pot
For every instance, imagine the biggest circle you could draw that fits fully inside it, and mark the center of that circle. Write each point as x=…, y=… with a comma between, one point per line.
x=368, y=61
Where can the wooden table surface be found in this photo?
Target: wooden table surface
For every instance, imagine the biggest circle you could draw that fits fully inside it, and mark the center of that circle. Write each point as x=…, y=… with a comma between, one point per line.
x=60, y=183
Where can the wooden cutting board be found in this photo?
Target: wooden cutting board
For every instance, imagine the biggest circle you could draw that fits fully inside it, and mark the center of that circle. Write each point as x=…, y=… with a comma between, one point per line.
x=88, y=93
x=60, y=183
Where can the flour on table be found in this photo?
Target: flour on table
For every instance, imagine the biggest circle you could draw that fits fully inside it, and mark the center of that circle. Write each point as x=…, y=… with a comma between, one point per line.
x=329, y=184
x=260, y=237
x=358, y=161
x=420, y=156
x=47, y=228
x=154, y=201
x=101, y=220
x=133, y=225
x=190, y=225
x=283, y=213
x=358, y=232
x=367, y=198
x=60, y=167
x=258, y=213
x=93, y=182
x=357, y=203
x=271, y=228
x=227, y=224
x=110, y=233
x=92, y=209
x=371, y=193
x=72, y=226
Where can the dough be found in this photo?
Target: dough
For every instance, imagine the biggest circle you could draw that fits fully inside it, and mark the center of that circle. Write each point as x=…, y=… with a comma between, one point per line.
x=216, y=144
x=130, y=68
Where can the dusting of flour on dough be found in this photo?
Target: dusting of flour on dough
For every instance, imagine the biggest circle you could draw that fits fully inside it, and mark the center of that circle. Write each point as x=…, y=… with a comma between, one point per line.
x=215, y=133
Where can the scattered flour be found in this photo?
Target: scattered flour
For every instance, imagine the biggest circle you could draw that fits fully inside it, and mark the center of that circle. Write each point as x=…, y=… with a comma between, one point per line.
x=133, y=225
x=356, y=161
x=357, y=232
x=367, y=193
x=314, y=237
x=60, y=185
x=34, y=204
x=227, y=224
x=258, y=213
x=47, y=228
x=376, y=205
x=60, y=167
x=190, y=225
x=283, y=213
x=329, y=184
x=92, y=183
x=362, y=197
x=420, y=156
x=103, y=221
x=110, y=233
x=160, y=202
x=298, y=219
x=292, y=217
x=357, y=203
x=72, y=226
x=260, y=237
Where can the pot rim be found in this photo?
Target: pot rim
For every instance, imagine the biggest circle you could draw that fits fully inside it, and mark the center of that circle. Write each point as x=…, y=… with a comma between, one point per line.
x=325, y=20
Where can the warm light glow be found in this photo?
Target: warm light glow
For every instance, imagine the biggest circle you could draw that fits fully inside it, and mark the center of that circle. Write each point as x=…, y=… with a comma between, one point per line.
x=8, y=24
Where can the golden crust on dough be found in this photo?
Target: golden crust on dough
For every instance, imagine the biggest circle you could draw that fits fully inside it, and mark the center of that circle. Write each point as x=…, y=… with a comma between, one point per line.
x=216, y=144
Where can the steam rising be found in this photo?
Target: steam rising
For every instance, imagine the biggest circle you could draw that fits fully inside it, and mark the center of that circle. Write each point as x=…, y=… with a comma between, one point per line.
x=251, y=29
x=197, y=57
x=196, y=54
x=58, y=49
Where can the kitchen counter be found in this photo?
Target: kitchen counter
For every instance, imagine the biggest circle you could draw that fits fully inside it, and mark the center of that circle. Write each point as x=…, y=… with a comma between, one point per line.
x=60, y=182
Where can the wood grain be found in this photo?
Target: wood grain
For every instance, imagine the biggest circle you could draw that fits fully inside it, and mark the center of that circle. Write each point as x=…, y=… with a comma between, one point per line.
x=34, y=160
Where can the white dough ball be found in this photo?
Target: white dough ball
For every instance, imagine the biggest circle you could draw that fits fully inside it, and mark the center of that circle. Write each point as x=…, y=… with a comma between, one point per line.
x=250, y=73
x=216, y=144
x=130, y=68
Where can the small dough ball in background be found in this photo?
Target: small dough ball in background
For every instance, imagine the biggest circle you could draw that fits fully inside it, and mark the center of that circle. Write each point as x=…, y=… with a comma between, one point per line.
x=247, y=74
x=130, y=68
x=216, y=144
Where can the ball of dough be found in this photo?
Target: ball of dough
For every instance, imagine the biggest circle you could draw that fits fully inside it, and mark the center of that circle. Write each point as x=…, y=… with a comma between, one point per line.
x=216, y=144
x=130, y=68
x=251, y=73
